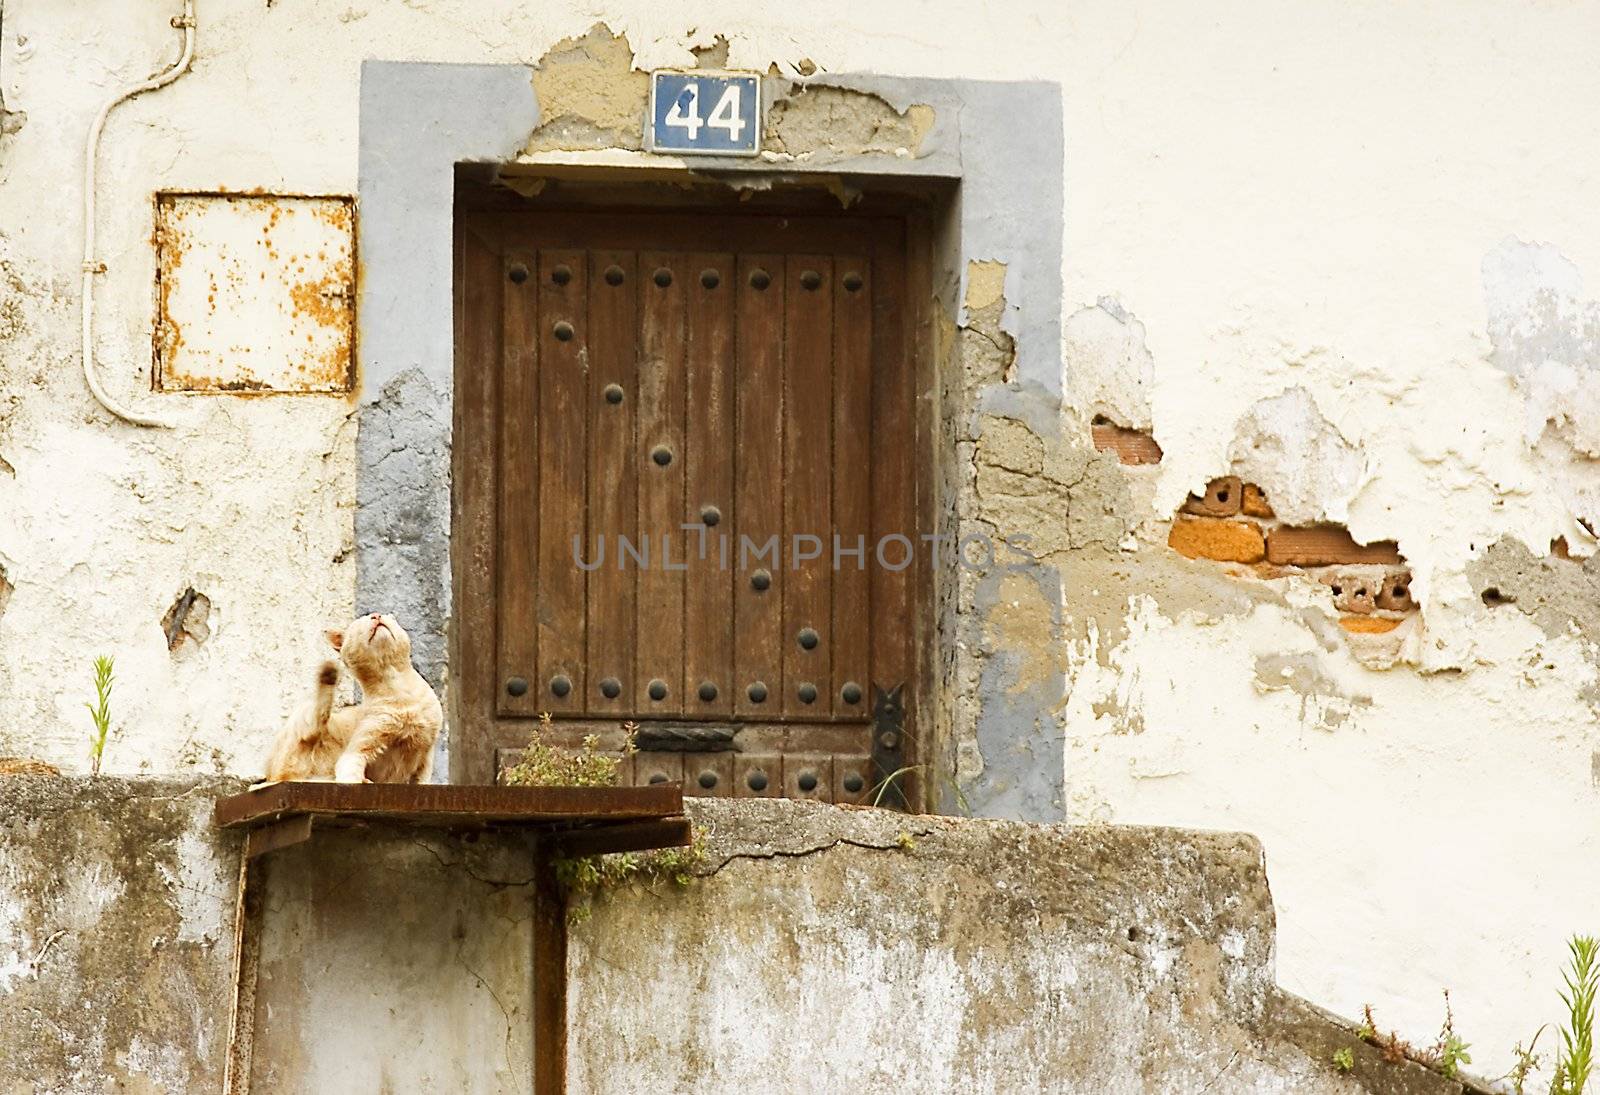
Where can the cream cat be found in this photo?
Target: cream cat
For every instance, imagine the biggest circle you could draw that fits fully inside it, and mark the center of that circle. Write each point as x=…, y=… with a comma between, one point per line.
x=386, y=738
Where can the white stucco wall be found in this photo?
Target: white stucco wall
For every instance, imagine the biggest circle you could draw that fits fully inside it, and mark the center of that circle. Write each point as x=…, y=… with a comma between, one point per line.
x=1315, y=196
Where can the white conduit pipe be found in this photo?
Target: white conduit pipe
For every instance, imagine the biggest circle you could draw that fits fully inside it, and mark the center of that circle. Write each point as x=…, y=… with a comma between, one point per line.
x=91, y=266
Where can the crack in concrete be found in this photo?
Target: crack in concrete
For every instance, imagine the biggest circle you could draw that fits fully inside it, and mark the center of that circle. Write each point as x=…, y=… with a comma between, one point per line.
x=778, y=853
x=464, y=868
x=1223, y=1071
x=499, y=1003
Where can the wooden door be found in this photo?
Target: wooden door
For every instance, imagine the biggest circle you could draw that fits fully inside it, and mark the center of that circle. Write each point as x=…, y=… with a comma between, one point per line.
x=687, y=496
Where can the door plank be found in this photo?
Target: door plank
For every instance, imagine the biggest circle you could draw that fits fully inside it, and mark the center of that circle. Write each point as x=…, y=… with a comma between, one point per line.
x=708, y=469
x=480, y=276
x=518, y=565
x=563, y=482
x=758, y=504
x=894, y=529
x=852, y=484
x=613, y=401
x=658, y=456
x=807, y=486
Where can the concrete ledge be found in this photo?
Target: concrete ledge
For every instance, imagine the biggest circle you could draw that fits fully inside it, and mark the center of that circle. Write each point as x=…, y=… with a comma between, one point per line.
x=825, y=949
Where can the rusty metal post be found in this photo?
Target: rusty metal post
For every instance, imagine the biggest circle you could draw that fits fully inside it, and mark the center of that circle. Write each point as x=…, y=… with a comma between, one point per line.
x=549, y=974
x=246, y=958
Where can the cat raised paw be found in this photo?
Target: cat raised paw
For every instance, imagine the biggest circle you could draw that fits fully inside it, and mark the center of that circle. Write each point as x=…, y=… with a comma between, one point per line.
x=386, y=738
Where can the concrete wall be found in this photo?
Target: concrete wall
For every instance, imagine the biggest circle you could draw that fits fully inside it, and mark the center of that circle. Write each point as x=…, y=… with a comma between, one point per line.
x=388, y=960
x=1340, y=254
x=815, y=948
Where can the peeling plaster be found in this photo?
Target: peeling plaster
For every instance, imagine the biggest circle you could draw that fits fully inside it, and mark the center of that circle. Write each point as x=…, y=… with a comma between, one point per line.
x=1561, y=596
x=589, y=95
x=1306, y=467
x=1545, y=334
x=812, y=121
x=1322, y=702
x=1109, y=367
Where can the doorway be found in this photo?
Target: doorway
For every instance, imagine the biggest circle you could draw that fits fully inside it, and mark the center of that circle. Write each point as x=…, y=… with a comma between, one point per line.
x=691, y=494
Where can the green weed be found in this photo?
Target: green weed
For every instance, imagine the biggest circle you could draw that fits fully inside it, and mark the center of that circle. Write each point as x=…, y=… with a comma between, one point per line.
x=100, y=711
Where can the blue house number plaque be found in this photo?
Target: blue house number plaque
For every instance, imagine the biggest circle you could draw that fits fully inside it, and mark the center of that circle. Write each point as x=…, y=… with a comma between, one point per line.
x=708, y=114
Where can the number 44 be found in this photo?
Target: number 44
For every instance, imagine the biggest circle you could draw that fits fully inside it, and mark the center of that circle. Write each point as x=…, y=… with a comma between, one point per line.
x=685, y=112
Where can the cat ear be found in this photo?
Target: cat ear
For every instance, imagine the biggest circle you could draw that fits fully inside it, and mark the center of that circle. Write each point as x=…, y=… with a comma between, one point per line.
x=335, y=638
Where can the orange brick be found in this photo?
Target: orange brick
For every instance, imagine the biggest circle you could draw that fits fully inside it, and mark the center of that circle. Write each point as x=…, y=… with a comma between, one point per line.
x=1213, y=538
x=1367, y=625
x=1325, y=545
x=1221, y=499
x=1254, y=502
x=1131, y=446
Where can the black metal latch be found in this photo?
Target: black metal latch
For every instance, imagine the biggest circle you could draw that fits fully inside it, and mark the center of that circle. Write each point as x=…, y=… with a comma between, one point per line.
x=888, y=745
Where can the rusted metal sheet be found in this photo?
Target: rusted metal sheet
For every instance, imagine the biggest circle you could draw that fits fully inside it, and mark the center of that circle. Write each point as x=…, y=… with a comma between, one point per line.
x=445, y=807
x=628, y=837
x=277, y=834
x=549, y=975
x=255, y=293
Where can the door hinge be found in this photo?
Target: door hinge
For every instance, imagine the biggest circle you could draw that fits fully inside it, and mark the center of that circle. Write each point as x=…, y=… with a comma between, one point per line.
x=889, y=746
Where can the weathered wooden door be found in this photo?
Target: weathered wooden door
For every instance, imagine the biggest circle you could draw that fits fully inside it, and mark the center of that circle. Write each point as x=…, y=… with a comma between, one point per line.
x=686, y=487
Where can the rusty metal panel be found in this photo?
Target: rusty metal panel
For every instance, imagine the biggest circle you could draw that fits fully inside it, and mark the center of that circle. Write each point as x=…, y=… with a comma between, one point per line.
x=639, y=836
x=254, y=293
x=441, y=806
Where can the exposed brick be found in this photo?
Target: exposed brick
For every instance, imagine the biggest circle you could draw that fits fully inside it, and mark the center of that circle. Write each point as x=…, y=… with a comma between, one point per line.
x=1325, y=545
x=1368, y=625
x=1213, y=538
x=1254, y=502
x=1395, y=596
x=1221, y=499
x=1354, y=592
x=1131, y=446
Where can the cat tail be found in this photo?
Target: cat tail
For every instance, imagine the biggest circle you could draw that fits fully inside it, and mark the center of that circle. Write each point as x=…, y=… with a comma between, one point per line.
x=327, y=679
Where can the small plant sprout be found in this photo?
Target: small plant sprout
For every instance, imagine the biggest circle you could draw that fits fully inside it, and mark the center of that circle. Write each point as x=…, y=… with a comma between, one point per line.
x=1575, y=1055
x=1343, y=1059
x=1527, y=1061
x=888, y=782
x=586, y=878
x=100, y=711
x=1445, y=1056
x=1451, y=1047
x=545, y=765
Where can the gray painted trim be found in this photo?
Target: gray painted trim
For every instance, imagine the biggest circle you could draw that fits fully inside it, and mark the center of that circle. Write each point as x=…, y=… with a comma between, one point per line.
x=417, y=122
x=1003, y=142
